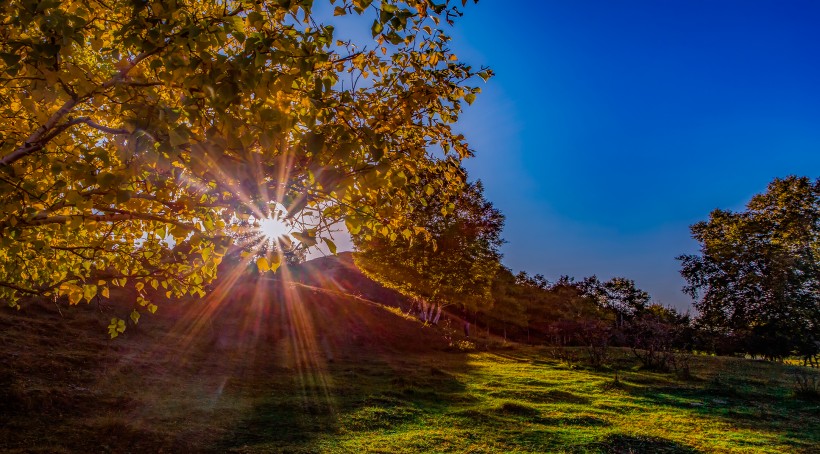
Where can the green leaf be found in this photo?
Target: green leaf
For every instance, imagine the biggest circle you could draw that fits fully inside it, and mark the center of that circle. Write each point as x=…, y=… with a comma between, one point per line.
x=353, y=224
x=116, y=327
x=331, y=246
x=470, y=98
x=376, y=28
x=89, y=292
x=306, y=238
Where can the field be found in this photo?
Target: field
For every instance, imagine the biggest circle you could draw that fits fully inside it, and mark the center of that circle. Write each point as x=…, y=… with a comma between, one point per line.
x=304, y=369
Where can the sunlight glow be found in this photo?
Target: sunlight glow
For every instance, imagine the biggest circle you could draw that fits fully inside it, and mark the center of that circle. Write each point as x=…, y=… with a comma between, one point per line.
x=273, y=228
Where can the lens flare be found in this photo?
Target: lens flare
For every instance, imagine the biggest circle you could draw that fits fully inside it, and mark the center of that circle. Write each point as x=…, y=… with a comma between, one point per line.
x=273, y=228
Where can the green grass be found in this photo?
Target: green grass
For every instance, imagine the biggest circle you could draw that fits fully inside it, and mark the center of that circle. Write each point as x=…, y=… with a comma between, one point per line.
x=369, y=381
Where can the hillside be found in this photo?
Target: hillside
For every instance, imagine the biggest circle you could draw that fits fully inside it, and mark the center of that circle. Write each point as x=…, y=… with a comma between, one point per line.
x=58, y=369
x=311, y=362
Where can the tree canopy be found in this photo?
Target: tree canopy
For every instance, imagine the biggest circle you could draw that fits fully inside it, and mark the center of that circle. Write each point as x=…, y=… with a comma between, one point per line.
x=455, y=266
x=136, y=136
x=757, y=276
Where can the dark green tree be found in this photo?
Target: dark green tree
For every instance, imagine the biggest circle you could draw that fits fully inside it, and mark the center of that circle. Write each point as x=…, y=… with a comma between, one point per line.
x=756, y=279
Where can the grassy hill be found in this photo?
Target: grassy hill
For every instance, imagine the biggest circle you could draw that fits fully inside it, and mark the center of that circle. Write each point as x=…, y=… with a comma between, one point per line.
x=325, y=361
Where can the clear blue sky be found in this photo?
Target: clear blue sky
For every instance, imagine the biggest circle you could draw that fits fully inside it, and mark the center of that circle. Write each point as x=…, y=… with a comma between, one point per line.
x=612, y=126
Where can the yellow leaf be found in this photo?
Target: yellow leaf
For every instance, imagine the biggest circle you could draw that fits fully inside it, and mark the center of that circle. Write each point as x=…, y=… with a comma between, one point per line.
x=89, y=292
x=116, y=327
x=75, y=297
x=262, y=264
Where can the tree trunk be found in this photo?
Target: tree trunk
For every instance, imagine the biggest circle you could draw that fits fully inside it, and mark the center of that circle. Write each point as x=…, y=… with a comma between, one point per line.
x=438, y=315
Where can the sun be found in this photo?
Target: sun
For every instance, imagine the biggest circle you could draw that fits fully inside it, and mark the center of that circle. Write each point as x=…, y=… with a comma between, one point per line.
x=273, y=228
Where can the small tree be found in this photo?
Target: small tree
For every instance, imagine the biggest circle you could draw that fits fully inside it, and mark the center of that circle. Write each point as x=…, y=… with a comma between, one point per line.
x=655, y=335
x=451, y=259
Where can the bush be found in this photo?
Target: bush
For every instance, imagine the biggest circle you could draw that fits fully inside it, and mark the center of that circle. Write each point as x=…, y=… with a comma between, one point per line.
x=595, y=336
x=563, y=355
x=655, y=337
x=806, y=384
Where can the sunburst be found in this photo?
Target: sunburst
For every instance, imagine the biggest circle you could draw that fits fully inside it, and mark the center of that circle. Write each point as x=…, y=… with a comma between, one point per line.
x=273, y=228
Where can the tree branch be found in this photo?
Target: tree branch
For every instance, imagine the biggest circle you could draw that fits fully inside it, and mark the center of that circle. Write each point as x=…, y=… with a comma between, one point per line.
x=39, y=138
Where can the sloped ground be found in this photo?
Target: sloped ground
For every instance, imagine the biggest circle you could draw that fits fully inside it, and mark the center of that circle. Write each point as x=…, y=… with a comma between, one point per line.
x=263, y=366
x=192, y=377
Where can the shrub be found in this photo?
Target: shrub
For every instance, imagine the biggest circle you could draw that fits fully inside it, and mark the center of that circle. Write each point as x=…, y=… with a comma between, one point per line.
x=806, y=384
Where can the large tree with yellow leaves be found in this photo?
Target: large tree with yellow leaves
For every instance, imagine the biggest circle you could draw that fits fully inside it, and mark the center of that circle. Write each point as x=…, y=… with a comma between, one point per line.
x=137, y=136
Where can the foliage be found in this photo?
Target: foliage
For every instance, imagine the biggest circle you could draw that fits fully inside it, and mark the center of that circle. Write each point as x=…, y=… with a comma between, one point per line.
x=618, y=294
x=510, y=301
x=458, y=263
x=806, y=383
x=757, y=276
x=137, y=137
x=655, y=336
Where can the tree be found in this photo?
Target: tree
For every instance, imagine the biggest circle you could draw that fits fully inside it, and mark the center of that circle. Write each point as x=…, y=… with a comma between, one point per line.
x=455, y=266
x=757, y=275
x=624, y=298
x=655, y=334
x=510, y=298
x=136, y=135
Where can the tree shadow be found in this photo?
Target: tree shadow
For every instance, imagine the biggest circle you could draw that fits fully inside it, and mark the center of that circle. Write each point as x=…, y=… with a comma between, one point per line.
x=346, y=365
x=634, y=444
x=741, y=401
x=258, y=365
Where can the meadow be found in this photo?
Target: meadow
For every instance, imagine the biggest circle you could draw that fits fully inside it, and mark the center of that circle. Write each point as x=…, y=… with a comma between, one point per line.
x=307, y=370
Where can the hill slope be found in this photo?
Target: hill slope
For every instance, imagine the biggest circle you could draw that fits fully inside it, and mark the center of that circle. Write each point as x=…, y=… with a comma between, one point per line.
x=59, y=370
x=299, y=364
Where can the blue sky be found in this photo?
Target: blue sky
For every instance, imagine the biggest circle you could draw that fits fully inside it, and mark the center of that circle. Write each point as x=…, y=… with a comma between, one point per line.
x=612, y=126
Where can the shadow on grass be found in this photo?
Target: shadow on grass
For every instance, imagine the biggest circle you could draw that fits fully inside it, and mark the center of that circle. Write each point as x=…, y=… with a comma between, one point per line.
x=741, y=400
x=349, y=366
x=630, y=444
x=362, y=399
x=254, y=368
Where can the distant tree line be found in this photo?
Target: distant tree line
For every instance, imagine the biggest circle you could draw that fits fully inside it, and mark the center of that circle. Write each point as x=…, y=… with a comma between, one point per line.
x=587, y=313
x=756, y=285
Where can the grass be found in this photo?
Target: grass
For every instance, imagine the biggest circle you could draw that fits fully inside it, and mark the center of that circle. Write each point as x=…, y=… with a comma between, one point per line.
x=328, y=373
